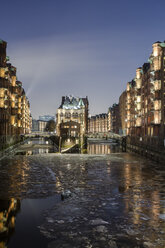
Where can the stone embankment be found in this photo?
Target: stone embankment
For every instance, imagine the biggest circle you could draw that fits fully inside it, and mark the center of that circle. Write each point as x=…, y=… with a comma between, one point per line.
x=153, y=153
x=10, y=150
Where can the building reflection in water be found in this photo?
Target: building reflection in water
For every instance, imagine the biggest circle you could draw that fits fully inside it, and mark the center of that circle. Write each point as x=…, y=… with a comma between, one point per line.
x=102, y=148
x=141, y=202
x=108, y=168
x=36, y=151
x=8, y=211
x=37, y=141
x=59, y=187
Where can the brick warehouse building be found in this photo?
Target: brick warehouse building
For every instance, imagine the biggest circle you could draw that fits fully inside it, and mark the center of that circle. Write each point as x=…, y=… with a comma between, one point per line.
x=98, y=123
x=145, y=107
x=114, y=121
x=15, y=118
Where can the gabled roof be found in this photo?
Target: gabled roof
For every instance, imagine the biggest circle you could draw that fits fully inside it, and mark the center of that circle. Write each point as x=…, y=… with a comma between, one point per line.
x=70, y=102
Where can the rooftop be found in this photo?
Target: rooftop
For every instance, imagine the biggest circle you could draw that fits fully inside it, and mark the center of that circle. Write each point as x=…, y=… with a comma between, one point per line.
x=70, y=102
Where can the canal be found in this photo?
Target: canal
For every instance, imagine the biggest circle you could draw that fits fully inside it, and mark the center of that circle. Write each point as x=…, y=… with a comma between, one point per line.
x=115, y=199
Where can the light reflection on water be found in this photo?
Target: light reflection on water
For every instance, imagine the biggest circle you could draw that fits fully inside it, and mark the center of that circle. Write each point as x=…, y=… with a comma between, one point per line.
x=24, y=231
x=40, y=141
x=102, y=148
x=143, y=202
x=138, y=188
x=36, y=151
x=92, y=148
x=8, y=211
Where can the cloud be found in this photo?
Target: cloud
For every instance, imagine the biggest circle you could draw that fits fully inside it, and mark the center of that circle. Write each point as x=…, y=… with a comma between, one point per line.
x=79, y=64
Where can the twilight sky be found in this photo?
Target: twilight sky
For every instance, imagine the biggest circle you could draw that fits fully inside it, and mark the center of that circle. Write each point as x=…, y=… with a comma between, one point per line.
x=79, y=47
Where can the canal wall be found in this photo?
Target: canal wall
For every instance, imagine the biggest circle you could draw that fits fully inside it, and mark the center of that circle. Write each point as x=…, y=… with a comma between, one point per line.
x=147, y=150
x=7, y=141
x=73, y=149
x=67, y=143
x=11, y=149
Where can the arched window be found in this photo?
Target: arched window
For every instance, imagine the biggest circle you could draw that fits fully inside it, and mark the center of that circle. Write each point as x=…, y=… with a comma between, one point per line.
x=75, y=115
x=67, y=115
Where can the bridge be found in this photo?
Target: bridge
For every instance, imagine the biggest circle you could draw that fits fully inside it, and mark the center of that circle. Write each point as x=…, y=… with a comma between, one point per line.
x=101, y=135
x=105, y=135
x=62, y=143
x=39, y=134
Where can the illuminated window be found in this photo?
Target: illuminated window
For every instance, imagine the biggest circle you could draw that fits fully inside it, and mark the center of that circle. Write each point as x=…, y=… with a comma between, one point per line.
x=138, y=83
x=1, y=103
x=19, y=123
x=67, y=115
x=157, y=104
x=13, y=80
x=12, y=120
x=156, y=49
x=138, y=99
x=138, y=122
x=128, y=106
x=13, y=104
x=157, y=117
x=2, y=72
x=138, y=106
x=157, y=85
x=157, y=63
x=75, y=115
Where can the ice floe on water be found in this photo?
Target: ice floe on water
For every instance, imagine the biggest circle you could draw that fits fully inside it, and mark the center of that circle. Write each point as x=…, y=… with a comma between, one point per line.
x=114, y=200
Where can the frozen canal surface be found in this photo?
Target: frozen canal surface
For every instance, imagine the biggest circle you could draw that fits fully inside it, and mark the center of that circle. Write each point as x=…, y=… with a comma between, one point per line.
x=117, y=201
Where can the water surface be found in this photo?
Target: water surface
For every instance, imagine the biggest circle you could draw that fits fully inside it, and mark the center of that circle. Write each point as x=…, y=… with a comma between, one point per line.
x=116, y=199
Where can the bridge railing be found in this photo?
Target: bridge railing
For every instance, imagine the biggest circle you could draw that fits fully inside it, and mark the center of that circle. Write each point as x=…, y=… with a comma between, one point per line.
x=104, y=135
x=41, y=134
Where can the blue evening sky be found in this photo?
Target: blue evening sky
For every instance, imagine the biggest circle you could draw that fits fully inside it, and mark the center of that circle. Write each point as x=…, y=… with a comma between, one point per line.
x=79, y=47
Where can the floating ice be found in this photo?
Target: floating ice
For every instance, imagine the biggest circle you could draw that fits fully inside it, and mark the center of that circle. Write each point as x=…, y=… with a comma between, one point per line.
x=162, y=216
x=98, y=222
